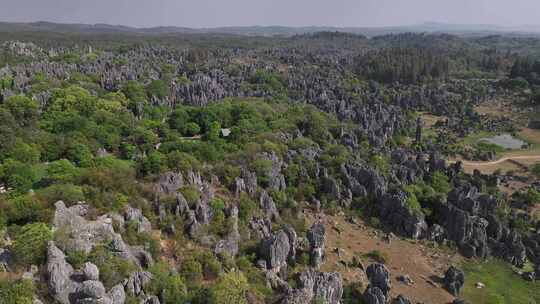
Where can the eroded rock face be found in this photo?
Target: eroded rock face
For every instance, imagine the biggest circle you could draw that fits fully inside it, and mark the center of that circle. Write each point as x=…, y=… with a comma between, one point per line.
x=362, y=180
x=316, y=285
x=395, y=214
x=401, y=299
x=68, y=286
x=135, y=215
x=379, y=276
x=82, y=235
x=374, y=295
x=316, y=236
x=454, y=280
x=470, y=220
x=229, y=245
x=268, y=206
x=137, y=281
x=276, y=180
x=170, y=182
x=275, y=251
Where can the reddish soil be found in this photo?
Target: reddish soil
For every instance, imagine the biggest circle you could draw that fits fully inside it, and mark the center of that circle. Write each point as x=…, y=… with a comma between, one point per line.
x=424, y=264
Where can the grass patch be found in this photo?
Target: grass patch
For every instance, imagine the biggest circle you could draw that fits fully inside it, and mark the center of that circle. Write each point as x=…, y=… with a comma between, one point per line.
x=378, y=256
x=503, y=286
x=473, y=138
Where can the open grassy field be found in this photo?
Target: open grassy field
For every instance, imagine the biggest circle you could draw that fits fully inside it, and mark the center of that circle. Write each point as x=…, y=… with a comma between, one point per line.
x=503, y=286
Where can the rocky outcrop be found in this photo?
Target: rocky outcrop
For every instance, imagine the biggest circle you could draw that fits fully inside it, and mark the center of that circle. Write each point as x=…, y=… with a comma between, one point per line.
x=454, y=280
x=276, y=180
x=229, y=245
x=82, y=235
x=135, y=215
x=275, y=251
x=312, y=285
x=470, y=221
x=374, y=295
x=68, y=286
x=268, y=206
x=364, y=181
x=316, y=236
x=135, y=284
x=401, y=299
x=261, y=227
x=400, y=218
x=170, y=182
x=379, y=277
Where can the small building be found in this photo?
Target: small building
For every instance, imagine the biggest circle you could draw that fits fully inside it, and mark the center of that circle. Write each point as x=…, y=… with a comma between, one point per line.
x=225, y=132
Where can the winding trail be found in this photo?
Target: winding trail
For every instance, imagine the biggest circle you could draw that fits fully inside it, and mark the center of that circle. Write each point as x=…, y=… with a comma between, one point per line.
x=500, y=160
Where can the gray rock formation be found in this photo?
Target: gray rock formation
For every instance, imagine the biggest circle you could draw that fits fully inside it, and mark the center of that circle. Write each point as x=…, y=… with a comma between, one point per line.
x=136, y=216
x=401, y=299
x=454, y=280
x=268, y=206
x=136, y=283
x=275, y=251
x=170, y=182
x=374, y=295
x=229, y=245
x=312, y=285
x=82, y=235
x=68, y=286
x=396, y=214
x=379, y=277
x=316, y=236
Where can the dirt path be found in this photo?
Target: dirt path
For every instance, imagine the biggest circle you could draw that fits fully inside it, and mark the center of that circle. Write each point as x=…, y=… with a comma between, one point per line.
x=501, y=160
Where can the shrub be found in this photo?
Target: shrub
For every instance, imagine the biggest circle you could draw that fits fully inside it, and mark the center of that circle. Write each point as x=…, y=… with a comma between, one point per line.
x=192, y=129
x=30, y=244
x=378, y=256
x=246, y=207
x=76, y=258
x=440, y=183
x=166, y=283
x=536, y=170
x=23, y=209
x=113, y=269
x=210, y=265
x=191, y=194
x=61, y=171
x=18, y=292
x=17, y=175
x=68, y=193
x=191, y=271
x=231, y=288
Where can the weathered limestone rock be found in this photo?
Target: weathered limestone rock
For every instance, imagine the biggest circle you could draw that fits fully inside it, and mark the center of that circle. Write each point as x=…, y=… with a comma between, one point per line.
x=454, y=280
x=316, y=237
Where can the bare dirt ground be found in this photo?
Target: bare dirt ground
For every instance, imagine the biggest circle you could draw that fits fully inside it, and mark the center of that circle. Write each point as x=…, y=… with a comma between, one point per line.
x=425, y=265
x=505, y=163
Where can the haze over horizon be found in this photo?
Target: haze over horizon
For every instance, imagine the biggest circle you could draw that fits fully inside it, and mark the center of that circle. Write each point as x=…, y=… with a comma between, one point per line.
x=212, y=13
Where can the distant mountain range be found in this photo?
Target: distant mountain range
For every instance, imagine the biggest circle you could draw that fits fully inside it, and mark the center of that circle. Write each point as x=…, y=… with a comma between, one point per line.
x=430, y=27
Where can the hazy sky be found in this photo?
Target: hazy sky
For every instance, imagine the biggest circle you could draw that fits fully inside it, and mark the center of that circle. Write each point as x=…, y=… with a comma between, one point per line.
x=211, y=13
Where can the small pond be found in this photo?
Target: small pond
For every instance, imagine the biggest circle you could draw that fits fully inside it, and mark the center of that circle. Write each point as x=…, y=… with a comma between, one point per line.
x=506, y=141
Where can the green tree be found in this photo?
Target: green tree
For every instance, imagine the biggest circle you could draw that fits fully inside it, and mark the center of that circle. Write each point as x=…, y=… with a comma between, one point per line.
x=61, y=171
x=25, y=153
x=536, y=170
x=30, y=244
x=230, y=288
x=17, y=175
x=136, y=94
x=168, y=284
x=158, y=88
x=192, y=129
x=23, y=109
x=440, y=182
x=16, y=292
